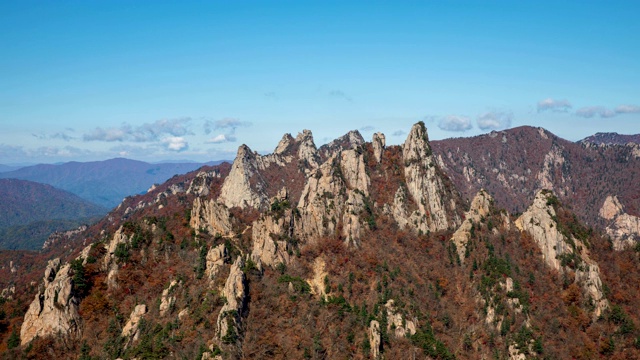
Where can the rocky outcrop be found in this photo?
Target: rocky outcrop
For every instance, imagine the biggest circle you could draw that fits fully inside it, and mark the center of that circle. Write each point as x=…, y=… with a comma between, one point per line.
x=237, y=189
x=436, y=205
x=547, y=177
x=307, y=151
x=167, y=300
x=480, y=207
x=335, y=192
x=247, y=185
x=109, y=262
x=317, y=282
x=235, y=294
x=399, y=208
x=216, y=257
x=62, y=236
x=130, y=331
x=8, y=292
x=401, y=326
x=374, y=339
x=55, y=309
x=348, y=141
x=211, y=216
x=539, y=221
x=273, y=233
x=201, y=184
x=624, y=229
x=379, y=143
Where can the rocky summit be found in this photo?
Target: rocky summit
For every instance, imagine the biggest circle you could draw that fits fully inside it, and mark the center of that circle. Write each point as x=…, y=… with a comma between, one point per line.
x=479, y=248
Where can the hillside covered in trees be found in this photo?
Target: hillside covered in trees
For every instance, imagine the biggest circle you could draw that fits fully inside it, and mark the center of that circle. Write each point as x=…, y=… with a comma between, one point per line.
x=351, y=250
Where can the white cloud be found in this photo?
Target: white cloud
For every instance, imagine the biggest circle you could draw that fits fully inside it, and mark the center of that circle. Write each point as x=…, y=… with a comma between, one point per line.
x=554, y=105
x=175, y=143
x=628, y=109
x=494, y=120
x=591, y=111
x=59, y=135
x=110, y=134
x=148, y=132
x=230, y=123
x=367, y=128
x=455, y=123
x=222, y=138
x=399, y=133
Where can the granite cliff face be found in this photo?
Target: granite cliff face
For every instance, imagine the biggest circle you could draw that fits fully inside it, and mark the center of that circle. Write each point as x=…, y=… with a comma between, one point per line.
x=210, y=216
x=480, y=207
x=436, y=205
x=558, y=251
x=624, y=229
x=251, y=180
x=235, y=294
x=335, y=194
x=54, y=309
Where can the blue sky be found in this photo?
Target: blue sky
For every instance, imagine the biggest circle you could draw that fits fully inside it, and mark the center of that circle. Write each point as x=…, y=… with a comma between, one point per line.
x=155, y=80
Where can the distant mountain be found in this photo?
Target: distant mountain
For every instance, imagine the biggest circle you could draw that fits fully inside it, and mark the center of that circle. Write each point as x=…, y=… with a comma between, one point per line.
x=30, y=211
x=5, y=168
x=105, y=183
x=32, y=236
x=514, y=164
x=611, y=138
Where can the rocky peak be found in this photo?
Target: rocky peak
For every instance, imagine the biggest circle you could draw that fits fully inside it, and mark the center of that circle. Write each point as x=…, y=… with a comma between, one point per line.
x=202, y=182
x=54, y=309
x=350, y=140
x=237, y=189
x=284, y=144
x=307, y=150
x=109, y=262
x=302, y=146
x=379, y=143
x=540, y=222
x=480, y=207
x=437, y=208
x=335, y=193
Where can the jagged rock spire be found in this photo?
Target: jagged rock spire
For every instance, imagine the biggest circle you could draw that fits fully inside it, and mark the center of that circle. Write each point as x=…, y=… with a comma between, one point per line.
x=436, y=205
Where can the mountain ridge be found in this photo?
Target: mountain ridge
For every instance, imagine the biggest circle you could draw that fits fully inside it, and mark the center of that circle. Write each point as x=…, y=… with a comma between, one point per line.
x=102, y=182
x=374, y=252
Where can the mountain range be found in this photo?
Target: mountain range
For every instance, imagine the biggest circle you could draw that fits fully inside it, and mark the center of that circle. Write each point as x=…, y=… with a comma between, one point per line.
x=611, y=138
x=511, y=245
x=30, y=211
x=104, y=183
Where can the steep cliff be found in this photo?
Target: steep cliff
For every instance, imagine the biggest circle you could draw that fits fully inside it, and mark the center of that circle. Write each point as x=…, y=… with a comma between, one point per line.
x=562, y=252
x=436, y=205
x=54, y=309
